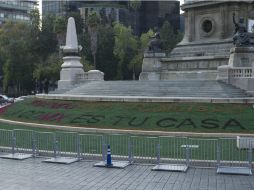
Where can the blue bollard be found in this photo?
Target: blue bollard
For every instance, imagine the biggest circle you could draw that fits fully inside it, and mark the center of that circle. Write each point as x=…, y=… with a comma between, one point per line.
x=109, y=161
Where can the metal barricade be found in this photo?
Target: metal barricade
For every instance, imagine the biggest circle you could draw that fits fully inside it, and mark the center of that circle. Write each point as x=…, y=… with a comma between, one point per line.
x=22, y=146
x=91, y=147
x=172, y=150
x=144, y=149
x=67, y=144
x=44, y=144
x=120, y=146
x=203, y=152
x=234, y=160
x=66, y=148
x=118, y=151
x=6, y=141
x=24, y=141
x=172, y=154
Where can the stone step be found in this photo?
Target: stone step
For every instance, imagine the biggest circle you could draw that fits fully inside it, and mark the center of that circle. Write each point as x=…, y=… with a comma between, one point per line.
x=198, y=88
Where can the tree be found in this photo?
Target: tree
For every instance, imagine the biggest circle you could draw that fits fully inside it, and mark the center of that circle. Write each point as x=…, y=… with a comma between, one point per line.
x=15, y=43
x=47, y=37
x=145, y=38
x=168, y=38
x=35, y=30
x=50, y=69
x=60, y=29
x=93, y=22
x=126, y=47
x=106, y=60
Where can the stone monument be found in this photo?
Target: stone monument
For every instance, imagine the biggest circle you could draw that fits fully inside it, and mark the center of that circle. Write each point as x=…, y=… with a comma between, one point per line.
x=206, y=44
x=239, y=71
x=71, y=66
x=151, y=63
x=72, y=70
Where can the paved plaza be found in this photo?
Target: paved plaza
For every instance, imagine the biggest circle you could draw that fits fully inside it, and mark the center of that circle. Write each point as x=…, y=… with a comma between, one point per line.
x=35, y=175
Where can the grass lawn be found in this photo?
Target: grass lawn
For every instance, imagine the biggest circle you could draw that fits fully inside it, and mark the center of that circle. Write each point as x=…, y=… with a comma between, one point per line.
x=189, y=117
x=194, y=117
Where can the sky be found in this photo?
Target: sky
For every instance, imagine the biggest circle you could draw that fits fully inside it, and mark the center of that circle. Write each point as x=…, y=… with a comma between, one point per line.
x=40, y=6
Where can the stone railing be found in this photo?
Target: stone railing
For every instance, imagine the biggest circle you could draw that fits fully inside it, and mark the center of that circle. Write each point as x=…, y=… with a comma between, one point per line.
x=240, y=72
x=227, y=73
x=81, y=77
x=92, y=75
x=240, y=77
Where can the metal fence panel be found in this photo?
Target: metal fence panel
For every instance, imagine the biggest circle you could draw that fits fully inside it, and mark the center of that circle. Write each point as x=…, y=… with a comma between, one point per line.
x=44, y=144
x=23, y=141
x=119, y=145
x=144, y=149
x=172, y=150
x=203, y=152
x=67, y=144
x=230, y=155
x=6, y=142
x=91, y=146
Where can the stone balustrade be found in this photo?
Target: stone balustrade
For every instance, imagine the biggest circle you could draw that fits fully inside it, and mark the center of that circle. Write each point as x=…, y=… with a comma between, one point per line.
x=240, y=72
x=94, y=75
x=81, y=77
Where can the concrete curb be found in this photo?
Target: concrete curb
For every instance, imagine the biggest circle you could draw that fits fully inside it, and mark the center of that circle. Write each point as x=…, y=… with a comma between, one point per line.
x=120, y=131
x=145, y=99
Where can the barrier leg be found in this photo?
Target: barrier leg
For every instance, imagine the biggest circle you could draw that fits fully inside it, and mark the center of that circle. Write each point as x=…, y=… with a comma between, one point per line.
x=158, y=153
x=130, y=153
x=78, y=147
x=103, y=148
x=187, y=152
x=250, y=155
x=218, y=152
x=56, y=147
x=13, y=142
x=34, y=144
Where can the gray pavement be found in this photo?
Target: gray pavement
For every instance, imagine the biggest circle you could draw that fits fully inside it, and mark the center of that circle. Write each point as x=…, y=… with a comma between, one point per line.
x=35, y=175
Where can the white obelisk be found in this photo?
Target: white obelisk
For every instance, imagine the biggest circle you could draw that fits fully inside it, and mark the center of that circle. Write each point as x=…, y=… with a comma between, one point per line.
x=71, y=67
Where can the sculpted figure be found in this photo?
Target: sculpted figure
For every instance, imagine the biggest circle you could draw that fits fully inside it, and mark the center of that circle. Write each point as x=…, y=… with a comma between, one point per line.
x=240, y=37
x=155, y=43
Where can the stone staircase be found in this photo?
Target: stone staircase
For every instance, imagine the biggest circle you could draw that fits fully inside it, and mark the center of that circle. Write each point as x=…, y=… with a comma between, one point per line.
x=194, y=88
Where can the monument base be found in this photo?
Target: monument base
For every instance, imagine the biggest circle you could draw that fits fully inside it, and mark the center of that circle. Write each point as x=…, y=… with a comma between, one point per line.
x=153, y=76
x=241, y=57
x=95, y=75
x=65, y=84
x=193, y=61
x=238, y=72
x=72, y=69
x=189, y=75
x=151, y=61
x=179, y=75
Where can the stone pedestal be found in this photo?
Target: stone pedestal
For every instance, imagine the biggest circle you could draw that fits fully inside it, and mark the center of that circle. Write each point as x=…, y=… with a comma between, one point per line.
x=223, y=73
x=71, y=68
x=241, y=57
x=239, y=71
x=151, y=66
x=95, y=75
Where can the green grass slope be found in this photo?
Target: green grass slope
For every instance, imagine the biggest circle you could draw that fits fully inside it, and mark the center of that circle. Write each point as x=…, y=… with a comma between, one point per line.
x=189, y=117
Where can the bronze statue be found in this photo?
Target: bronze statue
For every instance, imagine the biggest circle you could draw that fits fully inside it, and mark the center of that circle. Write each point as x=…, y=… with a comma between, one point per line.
x=154, y=44
x=241, y=37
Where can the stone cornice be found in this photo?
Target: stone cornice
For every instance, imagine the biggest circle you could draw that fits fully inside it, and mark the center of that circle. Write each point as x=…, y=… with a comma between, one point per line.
x=201, y=3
